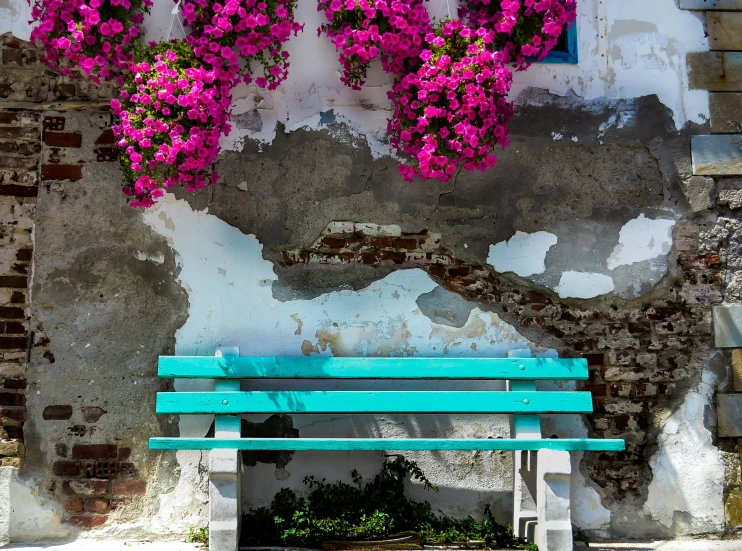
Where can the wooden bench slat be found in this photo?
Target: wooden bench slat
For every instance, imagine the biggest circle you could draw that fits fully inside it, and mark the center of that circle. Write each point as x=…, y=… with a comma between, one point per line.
x=374, y=402
x=340, y=444
x=271, y=367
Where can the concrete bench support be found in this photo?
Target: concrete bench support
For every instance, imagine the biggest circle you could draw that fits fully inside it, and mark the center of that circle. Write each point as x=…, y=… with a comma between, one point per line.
x=541, y=494
x=225, y=468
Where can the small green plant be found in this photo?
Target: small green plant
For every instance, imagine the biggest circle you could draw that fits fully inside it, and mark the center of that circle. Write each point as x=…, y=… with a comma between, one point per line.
x=198, y=535
x=367, y=510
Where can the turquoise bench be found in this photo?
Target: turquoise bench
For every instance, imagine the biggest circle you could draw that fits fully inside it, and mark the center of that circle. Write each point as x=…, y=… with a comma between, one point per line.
x=541, y=466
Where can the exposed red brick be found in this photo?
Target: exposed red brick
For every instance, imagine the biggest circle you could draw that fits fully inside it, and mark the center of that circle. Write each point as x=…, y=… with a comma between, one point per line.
x=62, y=139
x=96, y=505
x=8, y=118
x=12, y=56
x=534, y=297
x=24, y=255
x=86, y=487
x=459, y=271
x=15, y=383
x=88, y=521
x=13, y=328
x=18, y=191
x=67, y=469
x=57, y=413
x=61, y=172
x=402, y=243
x=124, y=454
x=106, y=154
x=18, y=298
x=13, y=343
x=8, y=147
x=94, y=451
x=73, y=505
x=54, y=123
x=380, y=242
x=595, y=389
x=60, y=450
x=12, y=399
x=129, y=487
x=333, y=242
x=10, y=416
x=91, y=414
x=106, y=138
x=13, y=282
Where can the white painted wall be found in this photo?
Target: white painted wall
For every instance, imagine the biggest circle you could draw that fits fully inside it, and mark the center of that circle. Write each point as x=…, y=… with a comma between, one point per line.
x=627, y=48
x=14, y=18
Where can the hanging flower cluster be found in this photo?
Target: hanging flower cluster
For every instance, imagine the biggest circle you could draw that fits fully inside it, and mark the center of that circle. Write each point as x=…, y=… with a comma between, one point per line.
x=363, y=30
x=452, y=110
x=258, y=29
x=97, y=36
x=173, y=109
x=526, y=29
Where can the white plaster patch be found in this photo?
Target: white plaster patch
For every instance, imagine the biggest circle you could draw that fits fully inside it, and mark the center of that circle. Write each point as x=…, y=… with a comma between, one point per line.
x=14, y=18
x=584, y=284
x=687, y=469
x=642, y=239
x=524, y=254
x=30, y=516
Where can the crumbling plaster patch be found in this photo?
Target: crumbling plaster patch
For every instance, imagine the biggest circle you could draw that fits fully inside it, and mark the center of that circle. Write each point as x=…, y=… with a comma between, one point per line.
x=642, y=239
x=584, y=284
x=523, y=254
x=687, y=488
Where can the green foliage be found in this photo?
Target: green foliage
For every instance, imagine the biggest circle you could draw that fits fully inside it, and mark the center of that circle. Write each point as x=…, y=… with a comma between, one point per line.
x=198, y=535
x=367, y=511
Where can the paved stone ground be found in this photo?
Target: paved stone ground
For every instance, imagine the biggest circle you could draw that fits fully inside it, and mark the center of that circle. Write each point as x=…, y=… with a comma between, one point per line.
x=112, y=545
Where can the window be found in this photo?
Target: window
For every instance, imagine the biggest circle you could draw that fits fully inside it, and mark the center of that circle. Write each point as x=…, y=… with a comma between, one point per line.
x=566, y=49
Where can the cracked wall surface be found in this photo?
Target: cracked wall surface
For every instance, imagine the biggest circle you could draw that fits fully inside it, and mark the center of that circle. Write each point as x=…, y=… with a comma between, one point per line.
x=590, y=238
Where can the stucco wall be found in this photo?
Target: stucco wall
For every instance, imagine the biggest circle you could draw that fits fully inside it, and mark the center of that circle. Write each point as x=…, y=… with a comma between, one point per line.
x=590, y=237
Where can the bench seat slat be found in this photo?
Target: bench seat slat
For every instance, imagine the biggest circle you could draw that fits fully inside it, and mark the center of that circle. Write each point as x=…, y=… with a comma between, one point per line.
x=373, y=402
x=270, y=367
x=340, y=444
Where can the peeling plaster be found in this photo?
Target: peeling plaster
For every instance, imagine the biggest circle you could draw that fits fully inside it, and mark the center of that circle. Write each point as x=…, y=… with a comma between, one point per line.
x=524, y=254
x=30, y=516
x=642, y=239
x=584, y=285
x=687, y=488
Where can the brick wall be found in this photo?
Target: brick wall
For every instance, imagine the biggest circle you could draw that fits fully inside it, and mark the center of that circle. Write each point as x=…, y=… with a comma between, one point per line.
x=20, y=147
x=23, y=78
x=639, y=353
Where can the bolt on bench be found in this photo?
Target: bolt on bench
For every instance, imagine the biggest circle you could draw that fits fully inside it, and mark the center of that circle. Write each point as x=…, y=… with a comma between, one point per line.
x=541, y=467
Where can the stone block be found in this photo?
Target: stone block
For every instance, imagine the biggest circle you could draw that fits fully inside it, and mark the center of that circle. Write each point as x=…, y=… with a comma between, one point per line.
x=726, y=113
x=725, y=30
x=717, y=155
x=737, y=370
x=711, y=4
x=715, y=71
x=729, y=413
x=728, y=326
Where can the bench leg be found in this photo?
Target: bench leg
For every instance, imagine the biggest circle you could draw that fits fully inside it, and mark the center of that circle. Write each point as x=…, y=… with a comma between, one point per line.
x=224, y=500
x=554, y=529
x=524, y=494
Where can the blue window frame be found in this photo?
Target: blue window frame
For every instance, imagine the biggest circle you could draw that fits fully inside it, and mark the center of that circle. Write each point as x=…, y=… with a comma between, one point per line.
x=566, y=49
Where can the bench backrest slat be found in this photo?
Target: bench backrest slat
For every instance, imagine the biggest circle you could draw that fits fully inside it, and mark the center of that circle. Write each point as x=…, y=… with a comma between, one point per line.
x=373, y=402
x=270, y=367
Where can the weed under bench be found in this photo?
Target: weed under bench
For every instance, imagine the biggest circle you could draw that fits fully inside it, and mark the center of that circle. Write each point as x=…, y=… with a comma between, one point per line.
x=541, y=470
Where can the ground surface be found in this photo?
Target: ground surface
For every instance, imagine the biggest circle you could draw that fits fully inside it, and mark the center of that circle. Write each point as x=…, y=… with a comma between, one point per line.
x=110, y=545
